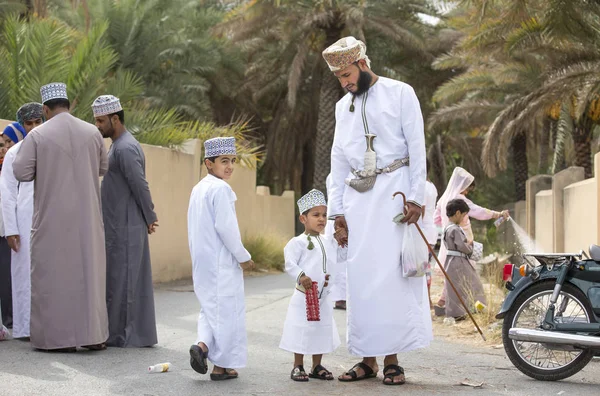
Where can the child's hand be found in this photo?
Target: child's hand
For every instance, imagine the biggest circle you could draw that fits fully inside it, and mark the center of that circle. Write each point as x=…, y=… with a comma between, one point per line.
x=247, y=265
x=306, y=282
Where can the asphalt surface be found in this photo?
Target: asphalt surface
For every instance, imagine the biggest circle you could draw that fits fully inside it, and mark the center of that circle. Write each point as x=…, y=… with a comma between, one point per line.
x=437, y=370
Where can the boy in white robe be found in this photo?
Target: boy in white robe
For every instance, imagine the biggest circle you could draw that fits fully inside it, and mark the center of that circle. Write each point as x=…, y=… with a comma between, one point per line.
x=310, y=257
x=218, y=261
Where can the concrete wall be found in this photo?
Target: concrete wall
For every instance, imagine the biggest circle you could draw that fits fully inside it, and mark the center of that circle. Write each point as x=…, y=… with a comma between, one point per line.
x=580, y=216
x=564, y=218
x=171, y=175
x=543, y=221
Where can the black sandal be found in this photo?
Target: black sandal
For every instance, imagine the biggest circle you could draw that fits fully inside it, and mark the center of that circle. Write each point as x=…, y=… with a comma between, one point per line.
x=320, y=372
x=340, y=305
x=224, y=376
x=297, y=374
x=352, y=373
x=198, y=359
x=390, y=371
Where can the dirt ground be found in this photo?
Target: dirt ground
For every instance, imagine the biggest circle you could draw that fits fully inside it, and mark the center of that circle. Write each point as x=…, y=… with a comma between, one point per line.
x=464, y=331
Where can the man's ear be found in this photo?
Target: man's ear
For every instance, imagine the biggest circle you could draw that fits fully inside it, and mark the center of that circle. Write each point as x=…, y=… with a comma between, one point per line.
x=362, y=65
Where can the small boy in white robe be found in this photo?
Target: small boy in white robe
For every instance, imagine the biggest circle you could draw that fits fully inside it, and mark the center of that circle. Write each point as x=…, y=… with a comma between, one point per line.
x=310, y=257
x=218, y=261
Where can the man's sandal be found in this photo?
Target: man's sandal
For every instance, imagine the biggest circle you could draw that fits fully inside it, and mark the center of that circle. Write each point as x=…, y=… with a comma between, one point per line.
x=340, y=305
x=298, y=374
x=320, y=372
x=198, y=359
x=368, y=373
x=228, y=374
x=390, y=371
x=95, y=347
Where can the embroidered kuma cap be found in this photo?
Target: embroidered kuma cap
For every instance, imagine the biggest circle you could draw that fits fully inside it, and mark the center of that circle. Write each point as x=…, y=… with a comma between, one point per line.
x=345, y=52
x=51, y=91
x=219, y=146
x=312, y=199
x=29, y=111
x=106, y=104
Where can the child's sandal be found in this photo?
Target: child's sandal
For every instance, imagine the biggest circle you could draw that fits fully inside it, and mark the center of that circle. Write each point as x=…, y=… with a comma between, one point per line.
x=298, y=374
x=320, y=372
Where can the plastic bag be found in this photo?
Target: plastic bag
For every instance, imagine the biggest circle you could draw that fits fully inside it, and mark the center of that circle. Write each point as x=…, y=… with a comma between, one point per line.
x=477, y=251
x=415, y=255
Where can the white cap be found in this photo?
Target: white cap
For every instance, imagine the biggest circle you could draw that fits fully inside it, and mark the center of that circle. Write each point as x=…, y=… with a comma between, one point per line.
x=219, y=146
x=55, y=90
x=106, y=104
x=312, y=199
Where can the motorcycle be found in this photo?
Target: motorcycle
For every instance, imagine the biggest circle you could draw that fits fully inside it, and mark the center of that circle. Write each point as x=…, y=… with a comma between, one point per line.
x=551, y=314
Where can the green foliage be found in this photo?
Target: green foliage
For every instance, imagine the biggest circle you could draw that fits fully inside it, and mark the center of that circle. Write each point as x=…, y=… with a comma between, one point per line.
x=266, y=251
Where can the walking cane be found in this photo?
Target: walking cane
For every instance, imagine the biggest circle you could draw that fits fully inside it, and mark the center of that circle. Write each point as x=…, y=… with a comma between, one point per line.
x=442, y=268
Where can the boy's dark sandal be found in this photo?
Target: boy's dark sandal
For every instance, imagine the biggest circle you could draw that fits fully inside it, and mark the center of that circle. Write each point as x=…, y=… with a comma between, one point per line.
x=320, y=372
x=198, y=359
x=352, y=373
x=228, y=374
x=390, y=371
x=298, y=374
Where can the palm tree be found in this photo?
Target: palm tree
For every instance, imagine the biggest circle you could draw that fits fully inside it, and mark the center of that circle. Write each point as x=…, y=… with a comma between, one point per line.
x=35, y=51
x=505, y=57
x=284, y=41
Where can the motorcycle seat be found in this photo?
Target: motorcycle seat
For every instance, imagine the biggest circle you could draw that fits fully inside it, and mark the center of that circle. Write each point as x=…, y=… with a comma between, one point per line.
x=595, y=252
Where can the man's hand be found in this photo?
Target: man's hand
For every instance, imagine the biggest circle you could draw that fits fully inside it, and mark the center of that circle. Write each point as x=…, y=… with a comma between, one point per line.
x=326, y=280
x=14, y=241
x=411, y=213
x=306, y=282
x=247, y=265
x=341, y=231
x=152, y=227
x=505, y=214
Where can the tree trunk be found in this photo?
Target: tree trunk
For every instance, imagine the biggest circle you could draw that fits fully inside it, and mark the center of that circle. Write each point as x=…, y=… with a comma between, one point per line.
x=330, y=93
x=437, y=173
x=545, y=144
x=582, y=140
x=521, y=169
x=41, y=8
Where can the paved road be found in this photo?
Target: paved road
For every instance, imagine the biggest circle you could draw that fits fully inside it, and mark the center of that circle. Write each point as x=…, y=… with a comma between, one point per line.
x=436, y=370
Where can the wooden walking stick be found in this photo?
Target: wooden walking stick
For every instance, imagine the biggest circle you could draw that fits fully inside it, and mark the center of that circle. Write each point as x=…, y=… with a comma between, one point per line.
x=441, y=267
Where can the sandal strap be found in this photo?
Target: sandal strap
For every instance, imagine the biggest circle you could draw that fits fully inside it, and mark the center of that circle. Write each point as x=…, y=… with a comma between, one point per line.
x=298, y=371
x=365, y=367
x=395, y=371
x=318, y=368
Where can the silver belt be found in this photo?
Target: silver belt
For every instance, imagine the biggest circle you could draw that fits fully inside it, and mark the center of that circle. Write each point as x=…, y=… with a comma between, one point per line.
x=456, y=254
x=397, y=164
x=365, y=180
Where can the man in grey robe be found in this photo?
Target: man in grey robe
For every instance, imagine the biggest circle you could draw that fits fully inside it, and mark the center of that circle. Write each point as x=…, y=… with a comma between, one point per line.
x=128, y=219
x=65, y=156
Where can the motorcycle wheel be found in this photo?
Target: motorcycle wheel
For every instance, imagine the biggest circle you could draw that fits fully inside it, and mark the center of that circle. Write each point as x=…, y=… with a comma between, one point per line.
x=546, y=362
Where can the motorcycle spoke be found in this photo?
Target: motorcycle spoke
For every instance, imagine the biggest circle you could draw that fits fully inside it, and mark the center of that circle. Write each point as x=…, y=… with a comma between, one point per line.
x=533, y=314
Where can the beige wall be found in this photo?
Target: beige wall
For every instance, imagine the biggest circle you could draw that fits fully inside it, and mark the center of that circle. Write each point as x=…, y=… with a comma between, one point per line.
x=578, y=207
x=543, y=221
x=581, y=215
x=171, y=175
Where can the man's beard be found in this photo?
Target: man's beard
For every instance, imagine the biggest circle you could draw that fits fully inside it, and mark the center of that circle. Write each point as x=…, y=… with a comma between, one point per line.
x=363, y=84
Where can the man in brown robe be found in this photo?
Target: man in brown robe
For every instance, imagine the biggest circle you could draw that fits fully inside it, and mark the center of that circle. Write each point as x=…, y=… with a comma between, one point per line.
x=65, y=156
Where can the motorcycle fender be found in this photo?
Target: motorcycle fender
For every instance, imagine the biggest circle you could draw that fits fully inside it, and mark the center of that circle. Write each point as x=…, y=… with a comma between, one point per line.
x=520, y=286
